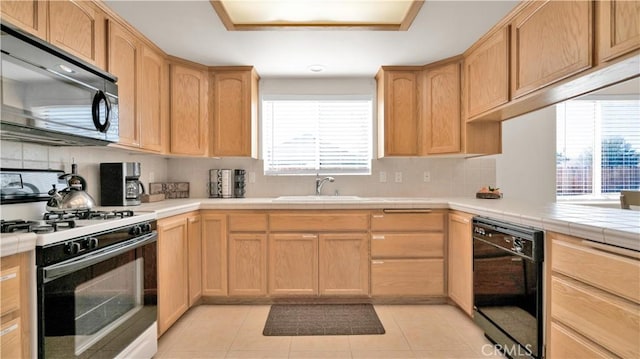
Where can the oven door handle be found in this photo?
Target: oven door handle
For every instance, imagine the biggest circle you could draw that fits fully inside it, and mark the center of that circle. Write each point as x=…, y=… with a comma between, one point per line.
x=58, y=270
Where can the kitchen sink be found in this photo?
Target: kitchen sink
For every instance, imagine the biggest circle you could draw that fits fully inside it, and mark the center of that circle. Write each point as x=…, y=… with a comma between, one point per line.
x=312, y=198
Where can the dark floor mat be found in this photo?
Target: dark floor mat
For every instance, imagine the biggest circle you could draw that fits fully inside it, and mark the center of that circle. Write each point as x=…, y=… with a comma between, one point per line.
x=322, y=319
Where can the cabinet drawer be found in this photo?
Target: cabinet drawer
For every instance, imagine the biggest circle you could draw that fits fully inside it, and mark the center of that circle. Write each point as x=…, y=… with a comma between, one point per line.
x=407, y=277
x=248, y=222
x=586, y=264
x=407, y=245
x=611, y=322
x=409, y=221
x=316, y=221
x=11, y=339
x=9, y=290
x=563, y=343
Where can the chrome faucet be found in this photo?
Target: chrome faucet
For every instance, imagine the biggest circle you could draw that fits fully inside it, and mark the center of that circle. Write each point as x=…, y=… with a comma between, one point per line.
x=320, y=182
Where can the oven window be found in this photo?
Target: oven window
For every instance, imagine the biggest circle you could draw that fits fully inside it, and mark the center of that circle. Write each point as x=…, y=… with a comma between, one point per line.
x=87, y=311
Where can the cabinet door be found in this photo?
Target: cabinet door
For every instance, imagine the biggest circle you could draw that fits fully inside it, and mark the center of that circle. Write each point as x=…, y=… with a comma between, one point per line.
x=486, y=74
x=152, y=99
x=550, y=41
x=344, y=262
x=123, y=62
x=247, y=264
x=399, y=91
x=194, y=230
x=188, y=111
x=78, y=27
x=563, y=343
x=618, y=27
x=28, y=15
x=293, y=264
x=460, y=261
x=396, y=277
x=15, y=296
x=442, y=109
x=234, y=109
x=173, y=277
x=11, y=339
x=214, y=254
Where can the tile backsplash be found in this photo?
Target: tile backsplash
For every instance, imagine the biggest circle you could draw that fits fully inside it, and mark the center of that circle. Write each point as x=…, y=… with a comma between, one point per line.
x=448, y=176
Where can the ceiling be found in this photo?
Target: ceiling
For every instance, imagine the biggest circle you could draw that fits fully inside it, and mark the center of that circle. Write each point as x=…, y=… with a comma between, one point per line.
x=192, y=30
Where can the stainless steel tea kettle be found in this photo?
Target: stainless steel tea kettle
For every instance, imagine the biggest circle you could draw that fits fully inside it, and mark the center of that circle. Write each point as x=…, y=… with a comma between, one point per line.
x=73, y=197
x=69, y=198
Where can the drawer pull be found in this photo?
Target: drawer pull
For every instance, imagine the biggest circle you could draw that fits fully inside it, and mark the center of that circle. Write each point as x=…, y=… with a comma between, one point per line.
x=309, y=236
x=377, y=262
x=8, y=276
x=378, y=216
x=611, y=249
x=377, y=237
x=8, y=330
x=406, y=210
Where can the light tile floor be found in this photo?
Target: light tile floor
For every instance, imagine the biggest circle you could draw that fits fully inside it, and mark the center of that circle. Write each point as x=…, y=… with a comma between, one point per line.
x=412, y=331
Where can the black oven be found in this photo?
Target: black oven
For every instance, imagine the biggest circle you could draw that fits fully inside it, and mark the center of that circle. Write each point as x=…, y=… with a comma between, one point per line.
x=97, y=293
x=507, y=286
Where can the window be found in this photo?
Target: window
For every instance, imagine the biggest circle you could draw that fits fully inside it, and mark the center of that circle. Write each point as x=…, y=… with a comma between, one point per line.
x=598, y=147
x=311, y=134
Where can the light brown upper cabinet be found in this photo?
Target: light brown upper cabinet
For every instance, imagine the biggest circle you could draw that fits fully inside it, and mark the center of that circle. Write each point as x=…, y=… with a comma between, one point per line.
x=399, y=123
x=28, y=15
x=188, y=118
x=486, y=74
x=234, y=107
x=74, y=26
x=442, y=109
x=153, y=99
x=618, y=28
x=550, y=41
x=124, y=54
x=78, y=27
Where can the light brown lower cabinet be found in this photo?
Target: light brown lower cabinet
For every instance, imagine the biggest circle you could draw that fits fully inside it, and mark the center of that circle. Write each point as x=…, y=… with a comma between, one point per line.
x=460, y=261
x=173, y=271
x=15, y=284
x=247, y=264
x=194, y=230
x=179, y=267
x=394, y=277
x=328, y=264
x=594, y=299
x=293, y=264
x=214, y=254
x=343, y=264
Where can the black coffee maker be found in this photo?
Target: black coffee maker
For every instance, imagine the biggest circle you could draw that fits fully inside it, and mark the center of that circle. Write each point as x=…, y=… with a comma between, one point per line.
x=120, y=184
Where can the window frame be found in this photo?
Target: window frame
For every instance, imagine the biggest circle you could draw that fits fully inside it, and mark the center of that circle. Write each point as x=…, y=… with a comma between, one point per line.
x=318, y=97
x=597, y=193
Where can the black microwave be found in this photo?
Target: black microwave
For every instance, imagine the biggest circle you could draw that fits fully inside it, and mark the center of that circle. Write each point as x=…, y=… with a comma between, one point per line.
x=50, y=96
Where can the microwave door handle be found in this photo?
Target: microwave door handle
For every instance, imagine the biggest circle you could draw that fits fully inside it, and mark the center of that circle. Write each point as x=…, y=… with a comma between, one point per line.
x=58, y=270
x=95, y=111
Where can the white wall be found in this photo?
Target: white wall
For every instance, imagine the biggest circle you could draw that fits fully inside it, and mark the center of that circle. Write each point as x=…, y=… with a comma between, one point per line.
x=526, y=169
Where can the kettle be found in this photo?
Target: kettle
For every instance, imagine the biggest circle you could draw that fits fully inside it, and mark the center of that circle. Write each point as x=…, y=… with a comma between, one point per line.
x=73, y=197
x=69, y=198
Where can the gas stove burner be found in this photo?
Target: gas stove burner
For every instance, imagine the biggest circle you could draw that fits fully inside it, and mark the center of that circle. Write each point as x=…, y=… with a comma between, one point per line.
x=55, y=223
x=43, y=229
x=87, y=214
x=15, y=225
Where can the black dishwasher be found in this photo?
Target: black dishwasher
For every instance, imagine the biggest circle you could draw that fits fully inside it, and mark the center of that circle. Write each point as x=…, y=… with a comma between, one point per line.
x=507, y=286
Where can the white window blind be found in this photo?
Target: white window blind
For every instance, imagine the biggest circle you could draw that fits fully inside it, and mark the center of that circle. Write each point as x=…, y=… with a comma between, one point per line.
x=317, y=134
x=598, y=148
